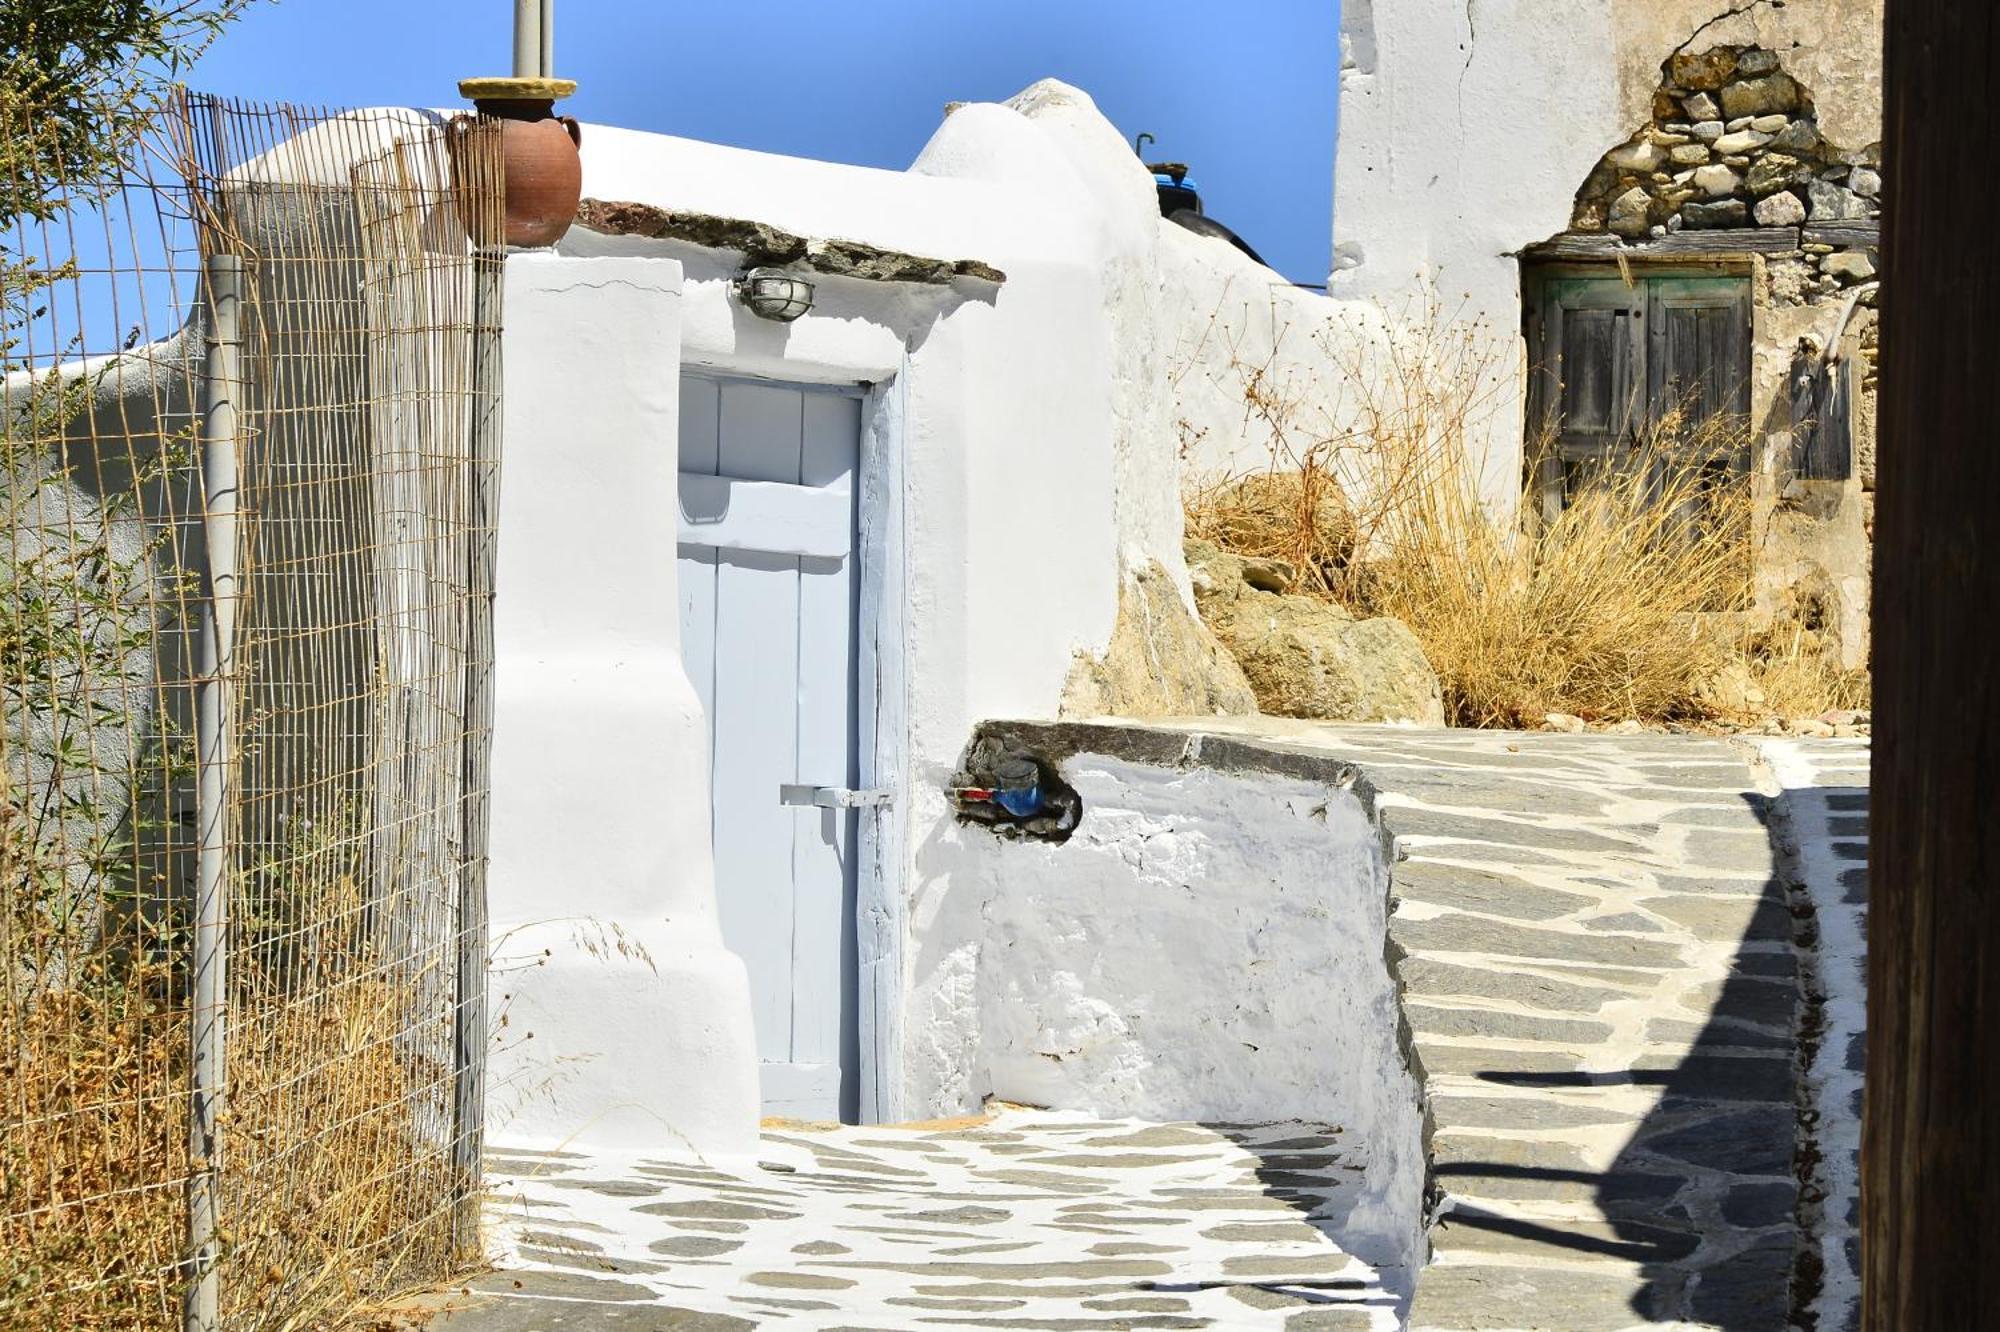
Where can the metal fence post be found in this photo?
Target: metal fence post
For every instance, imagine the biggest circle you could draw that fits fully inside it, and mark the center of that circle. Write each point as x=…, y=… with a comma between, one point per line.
x=221, y=385
x=469, y=1073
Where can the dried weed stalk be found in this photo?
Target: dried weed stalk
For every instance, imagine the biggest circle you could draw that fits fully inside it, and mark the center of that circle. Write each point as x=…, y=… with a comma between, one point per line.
x=1629, y=603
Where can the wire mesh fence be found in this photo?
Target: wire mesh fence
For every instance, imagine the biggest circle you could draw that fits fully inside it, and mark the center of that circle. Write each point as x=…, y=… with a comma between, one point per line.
x=247, y=461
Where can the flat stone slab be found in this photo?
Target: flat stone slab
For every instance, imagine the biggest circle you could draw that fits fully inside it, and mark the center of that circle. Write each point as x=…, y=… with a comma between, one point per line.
x=1032, y=1220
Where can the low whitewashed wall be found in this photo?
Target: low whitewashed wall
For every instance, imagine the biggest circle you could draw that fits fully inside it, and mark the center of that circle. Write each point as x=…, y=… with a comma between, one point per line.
x=1207, y=946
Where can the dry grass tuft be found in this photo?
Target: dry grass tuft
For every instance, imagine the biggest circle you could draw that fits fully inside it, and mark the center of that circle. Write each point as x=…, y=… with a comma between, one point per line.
x=1627, y=605
x=1596, y=613
x=360, y=1206
x=94, y=1168
x=92, y=1171
x=1301, y=517
x=1796, y=673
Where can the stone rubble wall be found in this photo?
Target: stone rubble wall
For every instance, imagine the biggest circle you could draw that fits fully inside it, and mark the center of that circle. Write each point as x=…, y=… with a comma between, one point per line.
x=1735, y=142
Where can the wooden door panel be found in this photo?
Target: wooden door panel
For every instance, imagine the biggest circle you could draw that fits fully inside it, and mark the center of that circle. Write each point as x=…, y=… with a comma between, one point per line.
x=729, y=513
x=1596, y=366
x=824, y=839
x=768, y=602
x=755, y=724
x=1591, y=379
x=1699, y=353
x=760, y=432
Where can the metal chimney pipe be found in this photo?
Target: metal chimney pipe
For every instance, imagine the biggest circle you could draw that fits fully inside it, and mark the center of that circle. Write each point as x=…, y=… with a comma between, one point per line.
x=548, y=70
x=529, y=62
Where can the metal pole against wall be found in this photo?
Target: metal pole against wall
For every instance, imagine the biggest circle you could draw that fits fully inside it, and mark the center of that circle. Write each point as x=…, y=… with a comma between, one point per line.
x=470, y=1032
x=214, y=757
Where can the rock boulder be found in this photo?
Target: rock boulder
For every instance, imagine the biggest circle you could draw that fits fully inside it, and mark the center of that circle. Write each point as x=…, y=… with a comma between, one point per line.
x=1161, y=661
x=1307, y=657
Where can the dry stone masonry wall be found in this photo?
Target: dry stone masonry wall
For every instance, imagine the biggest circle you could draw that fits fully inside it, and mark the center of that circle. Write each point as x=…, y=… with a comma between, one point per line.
x=1735, y=144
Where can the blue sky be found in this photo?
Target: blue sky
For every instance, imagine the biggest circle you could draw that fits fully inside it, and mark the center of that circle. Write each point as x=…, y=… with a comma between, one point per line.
x=1245, y=92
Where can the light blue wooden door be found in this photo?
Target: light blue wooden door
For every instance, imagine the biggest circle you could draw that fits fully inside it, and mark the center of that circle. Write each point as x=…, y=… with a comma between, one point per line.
x=768, y=599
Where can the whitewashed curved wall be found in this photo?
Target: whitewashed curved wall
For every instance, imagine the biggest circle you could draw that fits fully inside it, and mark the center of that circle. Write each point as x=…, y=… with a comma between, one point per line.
x=1207, y=946
x=626, y=1021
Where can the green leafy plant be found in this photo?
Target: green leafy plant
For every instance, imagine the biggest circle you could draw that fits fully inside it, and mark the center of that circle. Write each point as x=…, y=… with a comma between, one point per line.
x=89, y=76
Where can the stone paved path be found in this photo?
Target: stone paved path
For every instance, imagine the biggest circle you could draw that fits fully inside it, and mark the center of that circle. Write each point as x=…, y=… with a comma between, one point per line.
x=1599, y=975
x=1030, y=1220
x=1599, y=941
x=1607, y=947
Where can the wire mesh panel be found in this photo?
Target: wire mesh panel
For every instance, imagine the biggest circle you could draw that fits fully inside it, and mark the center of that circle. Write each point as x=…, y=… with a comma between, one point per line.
x=328, y=784
x=100, y=559
x=354, y=678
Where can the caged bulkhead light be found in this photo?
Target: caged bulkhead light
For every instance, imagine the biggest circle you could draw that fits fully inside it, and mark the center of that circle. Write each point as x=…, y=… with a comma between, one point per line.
x=772, y=293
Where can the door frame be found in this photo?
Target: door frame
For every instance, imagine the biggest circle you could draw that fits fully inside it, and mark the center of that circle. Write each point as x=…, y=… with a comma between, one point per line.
x=881, y=714
x=881, y=545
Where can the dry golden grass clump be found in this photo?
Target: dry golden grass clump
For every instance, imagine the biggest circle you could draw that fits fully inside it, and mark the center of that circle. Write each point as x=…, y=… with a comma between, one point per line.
x=337, y=1180
x=93, y=1160
x=1793, y=670
x=1596, y=613
x=1299, y=516
x=1632, y=602
x=330, y=1189
x=339, y=1191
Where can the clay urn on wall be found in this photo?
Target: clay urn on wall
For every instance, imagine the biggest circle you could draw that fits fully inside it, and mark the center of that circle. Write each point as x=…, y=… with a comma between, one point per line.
x=544, y=174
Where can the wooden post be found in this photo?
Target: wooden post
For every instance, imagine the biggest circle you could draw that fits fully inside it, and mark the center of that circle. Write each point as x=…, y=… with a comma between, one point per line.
x=1931, y=1156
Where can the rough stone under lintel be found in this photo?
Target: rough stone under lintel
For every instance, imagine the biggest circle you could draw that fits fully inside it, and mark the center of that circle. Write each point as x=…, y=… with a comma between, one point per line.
x=761, y=243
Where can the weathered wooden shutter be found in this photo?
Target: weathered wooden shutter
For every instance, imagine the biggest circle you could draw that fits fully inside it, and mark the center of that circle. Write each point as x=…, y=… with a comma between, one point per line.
x=1588, y=383
x=1622, y=363
x=1698, y=357
x=1822, y=424
x=1698, y=393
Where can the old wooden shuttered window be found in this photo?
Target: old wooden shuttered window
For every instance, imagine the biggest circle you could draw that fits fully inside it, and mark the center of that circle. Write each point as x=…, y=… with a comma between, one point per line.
x=1650, y=372
x=1822, y=417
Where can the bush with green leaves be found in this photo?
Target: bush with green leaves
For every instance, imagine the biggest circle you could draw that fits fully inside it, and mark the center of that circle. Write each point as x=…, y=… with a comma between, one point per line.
x=81, y=80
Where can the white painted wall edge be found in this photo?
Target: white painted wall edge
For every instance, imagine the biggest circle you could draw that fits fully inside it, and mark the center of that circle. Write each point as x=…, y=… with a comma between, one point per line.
x=626, y=1020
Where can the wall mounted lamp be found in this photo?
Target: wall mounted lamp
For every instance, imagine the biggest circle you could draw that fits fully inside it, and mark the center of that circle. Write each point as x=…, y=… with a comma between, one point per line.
x=772, y=293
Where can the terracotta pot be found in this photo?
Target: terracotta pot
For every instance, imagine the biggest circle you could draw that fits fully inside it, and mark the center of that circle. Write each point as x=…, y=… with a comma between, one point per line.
x=544, y=174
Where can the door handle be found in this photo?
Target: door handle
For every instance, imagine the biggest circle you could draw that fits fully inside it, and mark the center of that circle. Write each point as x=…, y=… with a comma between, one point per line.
x=833, y=797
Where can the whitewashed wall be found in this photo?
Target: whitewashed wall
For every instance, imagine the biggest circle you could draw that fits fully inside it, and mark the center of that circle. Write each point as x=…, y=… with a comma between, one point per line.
x=626, y=1021
x=1207, y=946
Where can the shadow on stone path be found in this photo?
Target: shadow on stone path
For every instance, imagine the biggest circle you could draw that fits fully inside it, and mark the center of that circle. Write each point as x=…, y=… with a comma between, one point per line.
x=1594, y=938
